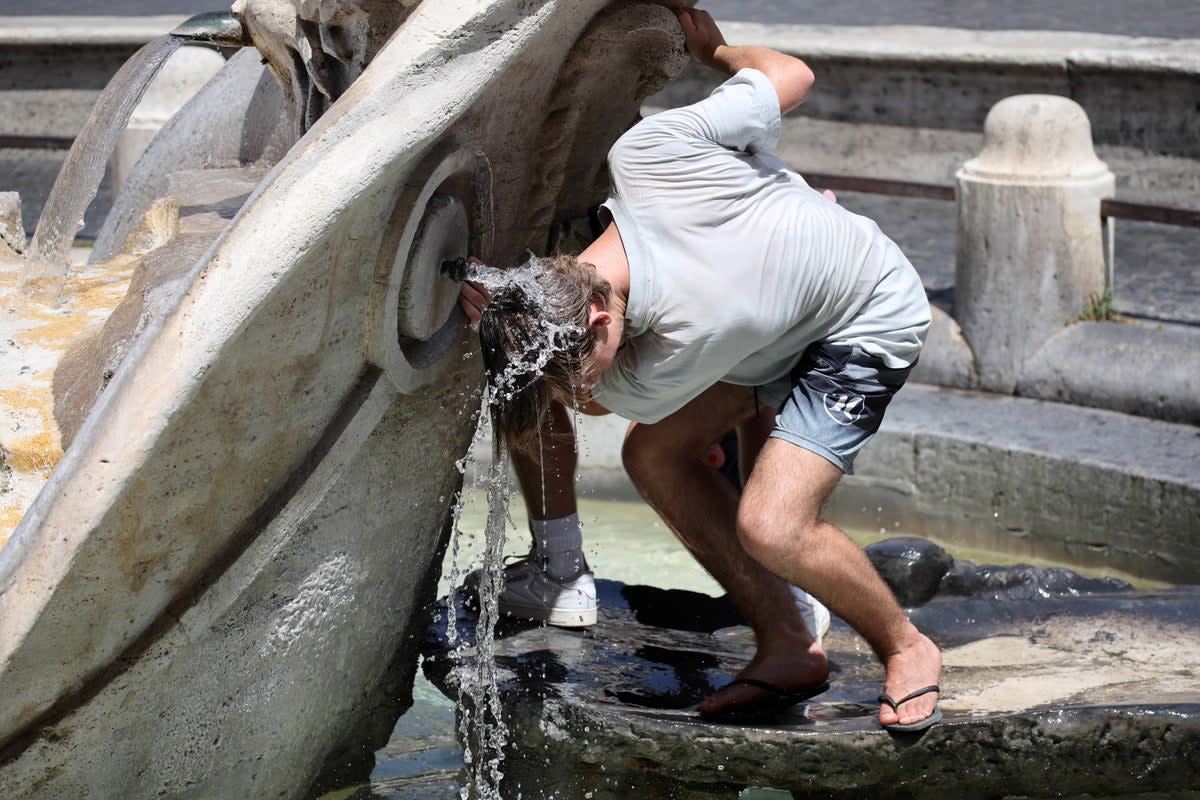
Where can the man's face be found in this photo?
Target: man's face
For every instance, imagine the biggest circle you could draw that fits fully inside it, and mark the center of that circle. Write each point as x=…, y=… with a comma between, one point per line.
x=607, y=328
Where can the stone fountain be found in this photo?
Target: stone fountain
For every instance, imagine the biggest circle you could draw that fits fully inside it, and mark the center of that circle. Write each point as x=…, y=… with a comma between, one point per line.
x=231, y=439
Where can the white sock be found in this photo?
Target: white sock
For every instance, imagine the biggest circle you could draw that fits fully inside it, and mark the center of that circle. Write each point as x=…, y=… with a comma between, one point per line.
x=560, y=543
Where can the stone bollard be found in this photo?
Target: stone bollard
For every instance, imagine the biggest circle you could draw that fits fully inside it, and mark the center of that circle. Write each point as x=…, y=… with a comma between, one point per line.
x=12, y=230
x=181, y=77
x=1030, y=242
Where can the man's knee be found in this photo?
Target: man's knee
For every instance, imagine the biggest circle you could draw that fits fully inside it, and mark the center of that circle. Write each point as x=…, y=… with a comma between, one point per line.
x=758, y=530
x=651, y=456
x=642, y=456
x=771, y=531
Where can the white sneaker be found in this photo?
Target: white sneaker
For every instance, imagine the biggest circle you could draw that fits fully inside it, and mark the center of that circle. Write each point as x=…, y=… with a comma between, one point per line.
x=532, y=594
x=816, y=615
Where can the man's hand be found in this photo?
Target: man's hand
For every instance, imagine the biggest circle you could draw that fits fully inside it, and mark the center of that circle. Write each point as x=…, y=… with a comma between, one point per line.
x=790, y=76
x=473, y=297
x=701, y=34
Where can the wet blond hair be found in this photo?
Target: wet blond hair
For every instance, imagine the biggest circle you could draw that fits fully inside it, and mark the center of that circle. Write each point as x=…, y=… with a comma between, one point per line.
x=537, y=346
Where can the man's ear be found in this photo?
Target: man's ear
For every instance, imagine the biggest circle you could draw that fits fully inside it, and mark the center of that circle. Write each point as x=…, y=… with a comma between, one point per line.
x=598, y=317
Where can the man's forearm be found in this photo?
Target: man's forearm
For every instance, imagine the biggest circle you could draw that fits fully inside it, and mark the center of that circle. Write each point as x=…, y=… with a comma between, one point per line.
x=791, y=77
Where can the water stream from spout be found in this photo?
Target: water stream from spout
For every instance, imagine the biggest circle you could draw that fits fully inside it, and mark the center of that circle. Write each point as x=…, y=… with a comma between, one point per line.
x=49, y=258
x=482, y=730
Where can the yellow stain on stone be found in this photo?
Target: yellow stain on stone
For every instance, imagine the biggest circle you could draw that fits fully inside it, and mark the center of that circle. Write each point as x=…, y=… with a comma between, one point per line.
x=35, y=449
x=89, y=297
x=38, y=453
x=90, y=294
x=10, y=515
x=24, y=400
x=56, y=333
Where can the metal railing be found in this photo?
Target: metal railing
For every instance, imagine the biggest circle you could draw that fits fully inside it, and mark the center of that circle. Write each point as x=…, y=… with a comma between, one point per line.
x=19, y=142
x=858, y=183
x=1111, y=209
x=1146, y=212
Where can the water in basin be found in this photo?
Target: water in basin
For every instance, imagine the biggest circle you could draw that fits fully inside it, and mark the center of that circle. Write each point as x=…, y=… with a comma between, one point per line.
x=624, y=541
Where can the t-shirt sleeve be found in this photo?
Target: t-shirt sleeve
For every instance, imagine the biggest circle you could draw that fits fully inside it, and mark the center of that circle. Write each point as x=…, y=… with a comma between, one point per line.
x=741, y=114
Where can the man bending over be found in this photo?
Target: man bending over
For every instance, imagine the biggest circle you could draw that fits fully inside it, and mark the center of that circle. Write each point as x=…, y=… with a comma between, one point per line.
x=723, y=286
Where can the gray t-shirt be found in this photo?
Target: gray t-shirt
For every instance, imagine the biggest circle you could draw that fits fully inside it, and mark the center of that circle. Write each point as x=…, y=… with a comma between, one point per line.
x=736, y=265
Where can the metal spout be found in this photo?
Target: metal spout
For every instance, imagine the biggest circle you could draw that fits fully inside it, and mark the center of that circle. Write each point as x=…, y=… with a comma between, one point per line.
x=219, y=28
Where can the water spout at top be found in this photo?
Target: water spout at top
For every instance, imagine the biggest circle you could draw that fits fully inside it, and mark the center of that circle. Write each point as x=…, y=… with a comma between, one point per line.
x=219, y=28
x=49, y=251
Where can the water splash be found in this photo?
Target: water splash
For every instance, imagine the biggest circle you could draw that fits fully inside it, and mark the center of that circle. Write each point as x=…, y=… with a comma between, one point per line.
x=482, y=730
x=49, y=258
x=540, y=342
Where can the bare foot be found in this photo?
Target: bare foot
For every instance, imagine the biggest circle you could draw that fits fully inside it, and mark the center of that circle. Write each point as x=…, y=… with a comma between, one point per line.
x=788, y=668
x=917, y=665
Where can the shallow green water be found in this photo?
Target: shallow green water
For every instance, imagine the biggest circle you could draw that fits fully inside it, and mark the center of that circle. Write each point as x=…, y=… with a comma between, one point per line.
x=624, y=542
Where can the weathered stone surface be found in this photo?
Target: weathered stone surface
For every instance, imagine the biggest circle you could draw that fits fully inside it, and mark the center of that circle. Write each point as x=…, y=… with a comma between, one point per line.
x=317, y=49
x=917, y=570
x=237, y=119
x=191, y=607
x=1152, y=372
x=1138, y=91
x=1089, y=694
x=1026, y=476
x=946, y=359
x=192, y=212
x=12, y=232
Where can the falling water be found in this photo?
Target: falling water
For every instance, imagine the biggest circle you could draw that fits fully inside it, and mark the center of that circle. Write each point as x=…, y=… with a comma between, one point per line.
x=50, y=251
x=481, y=726
x=481, y=729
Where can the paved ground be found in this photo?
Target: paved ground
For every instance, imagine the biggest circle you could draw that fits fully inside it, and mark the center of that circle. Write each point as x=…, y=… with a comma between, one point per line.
x=1173, y=18
x=1158, y=269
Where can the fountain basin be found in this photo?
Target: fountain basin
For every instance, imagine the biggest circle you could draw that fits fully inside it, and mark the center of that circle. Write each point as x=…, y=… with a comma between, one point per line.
x=1042, y=695
x=1038, y=479
x=1065, y=688
x=223, y=575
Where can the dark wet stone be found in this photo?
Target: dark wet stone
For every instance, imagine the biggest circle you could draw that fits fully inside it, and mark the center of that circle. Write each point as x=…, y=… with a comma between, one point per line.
x=1023, y=581
x=917, y=570
x=912, y=567
x=1063, y=694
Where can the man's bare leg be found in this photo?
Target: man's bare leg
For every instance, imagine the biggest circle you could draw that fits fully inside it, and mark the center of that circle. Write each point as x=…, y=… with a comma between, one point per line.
x=753, y=434
x=780, y=525
x=666, y=463
x=549, y=487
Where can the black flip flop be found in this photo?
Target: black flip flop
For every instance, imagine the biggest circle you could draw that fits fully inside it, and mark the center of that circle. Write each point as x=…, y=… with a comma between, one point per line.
x=912, y=727
x=770, y=707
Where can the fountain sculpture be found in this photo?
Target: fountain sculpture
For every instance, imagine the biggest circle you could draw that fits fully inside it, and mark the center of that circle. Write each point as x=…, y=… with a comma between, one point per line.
x=219, y=542
x=230, y=444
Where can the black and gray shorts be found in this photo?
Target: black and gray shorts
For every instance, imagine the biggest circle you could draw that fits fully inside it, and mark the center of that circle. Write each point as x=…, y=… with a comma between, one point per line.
x=837, y=399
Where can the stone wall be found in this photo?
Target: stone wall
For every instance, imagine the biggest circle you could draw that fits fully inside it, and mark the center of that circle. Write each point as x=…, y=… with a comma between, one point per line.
x=1138, y=92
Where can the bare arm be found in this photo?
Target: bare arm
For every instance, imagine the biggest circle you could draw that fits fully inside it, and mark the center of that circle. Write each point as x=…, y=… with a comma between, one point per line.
x=592, y=409
x=790, y=76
